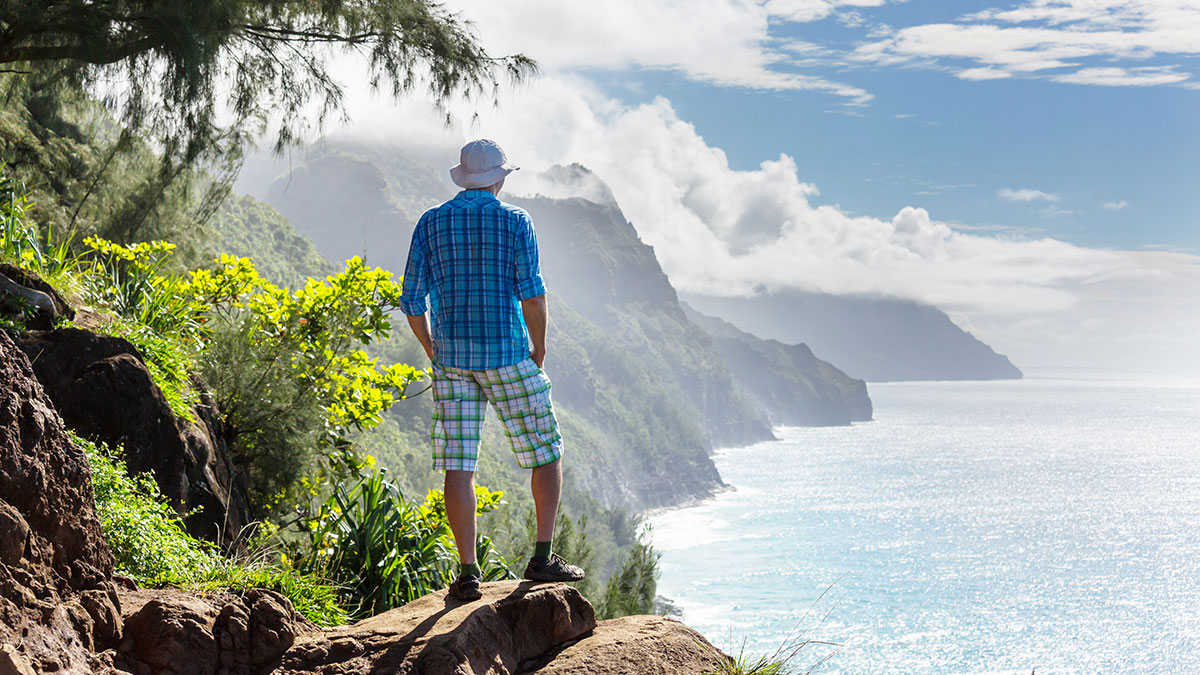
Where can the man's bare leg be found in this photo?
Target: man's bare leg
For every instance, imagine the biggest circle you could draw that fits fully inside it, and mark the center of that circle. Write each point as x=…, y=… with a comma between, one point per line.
x=460, y=511
x=546, y=484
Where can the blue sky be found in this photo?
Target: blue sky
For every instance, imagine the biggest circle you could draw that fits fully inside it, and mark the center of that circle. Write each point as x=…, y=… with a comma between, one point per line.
x=951, y=144
x=966, y=141
x=1030, y=167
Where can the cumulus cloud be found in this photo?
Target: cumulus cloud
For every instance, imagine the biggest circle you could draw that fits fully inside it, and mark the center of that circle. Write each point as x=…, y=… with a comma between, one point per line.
x=1061, y=40
x=721, y=42
x=720, y=230
x=717, y=229
x=1116, y=206
x=1026, y=195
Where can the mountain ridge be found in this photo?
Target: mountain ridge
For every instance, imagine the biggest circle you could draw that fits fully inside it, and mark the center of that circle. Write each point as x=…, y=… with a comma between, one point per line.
x=876, y=339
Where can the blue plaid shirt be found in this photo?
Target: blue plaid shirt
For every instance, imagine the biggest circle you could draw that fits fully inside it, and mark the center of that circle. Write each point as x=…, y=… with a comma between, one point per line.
x=476, y=258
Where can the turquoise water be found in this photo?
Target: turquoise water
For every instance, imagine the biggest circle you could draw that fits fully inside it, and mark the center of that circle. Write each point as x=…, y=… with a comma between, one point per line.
x=997, y=527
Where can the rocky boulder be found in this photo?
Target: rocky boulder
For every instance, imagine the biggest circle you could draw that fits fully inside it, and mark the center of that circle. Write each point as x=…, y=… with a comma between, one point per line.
x=57, y=602
x=517, y=627
x=22, y=290
x=171, y=632
x=514, y=626
x=636, y=645
x=103, y=390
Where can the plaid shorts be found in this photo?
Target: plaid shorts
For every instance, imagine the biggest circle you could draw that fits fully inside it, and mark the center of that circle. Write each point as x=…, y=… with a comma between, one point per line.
x=519, y=393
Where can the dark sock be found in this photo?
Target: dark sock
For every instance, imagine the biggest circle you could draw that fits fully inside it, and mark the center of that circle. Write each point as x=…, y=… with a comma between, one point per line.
x=542, y=549
x=470, y=570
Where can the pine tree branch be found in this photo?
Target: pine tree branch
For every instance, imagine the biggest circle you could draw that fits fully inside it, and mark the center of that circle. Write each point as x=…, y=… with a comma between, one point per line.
x=77, y=52
x=290, y=35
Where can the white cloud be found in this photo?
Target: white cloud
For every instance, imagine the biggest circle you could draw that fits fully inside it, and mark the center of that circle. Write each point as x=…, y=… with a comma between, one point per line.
x=716, y=229
x=812, y=10
x=1062, y=40
x=1026, y=195
x=1055, y=211
x=1141, y=322
x=723, y=42
x=1116, y=206
x=1125, y=77
x=982, y=74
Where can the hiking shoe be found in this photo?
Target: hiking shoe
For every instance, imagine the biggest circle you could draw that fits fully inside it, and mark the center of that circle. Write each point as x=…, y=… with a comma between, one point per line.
x=466, y=587
x=553, y=568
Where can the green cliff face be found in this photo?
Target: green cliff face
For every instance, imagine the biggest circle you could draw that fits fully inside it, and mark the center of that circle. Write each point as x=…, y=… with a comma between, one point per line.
x=247, y=227
x=788, y=381
x=593, y=257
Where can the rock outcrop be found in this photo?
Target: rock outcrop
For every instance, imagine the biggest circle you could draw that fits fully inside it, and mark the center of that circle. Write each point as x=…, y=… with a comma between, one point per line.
x=103, y=390
x=57, y=601
x=174, y=632
x=637, y=645
x=513, y=627
x=21, y=289
x=517, y=628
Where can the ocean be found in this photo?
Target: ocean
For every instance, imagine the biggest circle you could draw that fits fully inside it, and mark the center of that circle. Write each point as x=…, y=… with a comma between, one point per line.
x=1049, y=525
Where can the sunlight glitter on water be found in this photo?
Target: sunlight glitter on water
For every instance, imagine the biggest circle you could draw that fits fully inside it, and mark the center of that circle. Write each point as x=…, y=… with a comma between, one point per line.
x=972, y=528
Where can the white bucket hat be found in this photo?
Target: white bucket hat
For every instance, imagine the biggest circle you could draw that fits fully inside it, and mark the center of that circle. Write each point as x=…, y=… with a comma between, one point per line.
x=481, y=164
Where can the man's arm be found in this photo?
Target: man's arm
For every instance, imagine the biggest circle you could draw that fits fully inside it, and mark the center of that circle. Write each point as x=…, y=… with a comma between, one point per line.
x=414, y=289
x=534, y=311
x=530, y=289
x=420, y=328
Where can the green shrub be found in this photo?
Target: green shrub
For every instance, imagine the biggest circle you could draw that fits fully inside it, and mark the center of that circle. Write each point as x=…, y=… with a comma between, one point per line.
x=272, y=422
x=20, y=243
x=289, y=379
x=142, y=530
x=130, y=282
x=287, y=371
x=313, y=598
x=385, y=550
x=151, y=546
x=632, y=588
x=746, y=665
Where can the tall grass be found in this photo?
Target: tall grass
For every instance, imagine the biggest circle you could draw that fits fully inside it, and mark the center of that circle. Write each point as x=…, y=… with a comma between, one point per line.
x=783, y=661
x=384, y=549
x=20, y=243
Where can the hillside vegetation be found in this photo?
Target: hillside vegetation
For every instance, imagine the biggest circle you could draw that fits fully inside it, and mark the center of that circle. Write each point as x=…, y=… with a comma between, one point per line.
x=295, y=399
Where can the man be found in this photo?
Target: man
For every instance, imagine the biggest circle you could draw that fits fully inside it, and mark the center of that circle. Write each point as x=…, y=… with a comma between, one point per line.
x=477, y=260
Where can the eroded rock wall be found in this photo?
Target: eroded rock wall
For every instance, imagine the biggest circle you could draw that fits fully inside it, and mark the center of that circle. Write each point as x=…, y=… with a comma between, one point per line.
x=57, y=600
x=103, y=390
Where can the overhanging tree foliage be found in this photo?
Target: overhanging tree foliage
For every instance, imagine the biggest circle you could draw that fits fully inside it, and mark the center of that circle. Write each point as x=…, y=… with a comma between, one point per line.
x=184, y=58
x=196, y=78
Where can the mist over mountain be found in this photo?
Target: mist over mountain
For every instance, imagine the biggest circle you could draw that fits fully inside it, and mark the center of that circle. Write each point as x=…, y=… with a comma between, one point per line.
x=646, y=391
x=876, y=339
x=594, y=259
x=788, y=381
